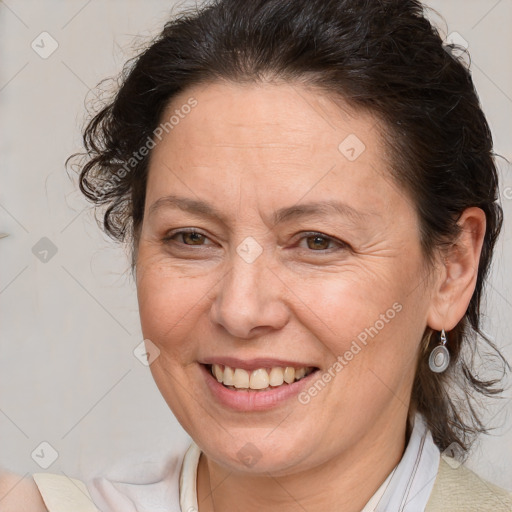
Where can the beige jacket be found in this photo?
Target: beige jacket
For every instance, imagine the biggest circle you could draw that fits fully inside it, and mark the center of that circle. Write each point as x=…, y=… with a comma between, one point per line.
x=456, y=489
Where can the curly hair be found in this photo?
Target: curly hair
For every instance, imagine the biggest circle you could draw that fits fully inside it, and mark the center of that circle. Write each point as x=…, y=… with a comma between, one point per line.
x=382, y=56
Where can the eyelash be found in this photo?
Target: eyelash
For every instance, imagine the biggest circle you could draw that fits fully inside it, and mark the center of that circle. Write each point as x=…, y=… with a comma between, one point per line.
x=309, y=234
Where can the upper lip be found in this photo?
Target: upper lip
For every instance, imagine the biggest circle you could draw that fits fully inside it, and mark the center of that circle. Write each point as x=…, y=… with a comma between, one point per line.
x=254, y=364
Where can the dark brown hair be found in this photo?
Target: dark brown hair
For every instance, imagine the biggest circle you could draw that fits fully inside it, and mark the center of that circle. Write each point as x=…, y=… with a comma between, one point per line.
x=383, y=56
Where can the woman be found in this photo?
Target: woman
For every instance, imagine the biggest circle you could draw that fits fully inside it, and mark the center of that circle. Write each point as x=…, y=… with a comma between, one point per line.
x=309, y=191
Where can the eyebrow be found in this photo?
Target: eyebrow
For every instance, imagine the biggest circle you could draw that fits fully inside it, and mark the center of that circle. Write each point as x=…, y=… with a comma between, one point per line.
x=297, y=211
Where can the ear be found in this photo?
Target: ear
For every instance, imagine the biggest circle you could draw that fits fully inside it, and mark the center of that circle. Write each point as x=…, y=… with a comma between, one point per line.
x=458, y=272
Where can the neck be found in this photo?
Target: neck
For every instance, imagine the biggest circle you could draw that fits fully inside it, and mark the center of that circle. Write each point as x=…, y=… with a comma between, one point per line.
x=344, y=482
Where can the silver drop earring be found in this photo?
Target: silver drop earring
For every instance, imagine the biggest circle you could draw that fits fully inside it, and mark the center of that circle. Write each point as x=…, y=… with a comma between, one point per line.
x=439, y=357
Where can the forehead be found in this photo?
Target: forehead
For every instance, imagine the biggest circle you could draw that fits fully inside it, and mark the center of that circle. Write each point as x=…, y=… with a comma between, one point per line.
x=278, y=140
x=258, y=112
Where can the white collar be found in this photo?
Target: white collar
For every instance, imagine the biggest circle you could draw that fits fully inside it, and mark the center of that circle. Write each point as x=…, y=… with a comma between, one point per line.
x=410, y=486
x=406, y=489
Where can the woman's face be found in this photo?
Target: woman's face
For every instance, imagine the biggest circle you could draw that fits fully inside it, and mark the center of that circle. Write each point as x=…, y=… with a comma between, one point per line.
x=306, y=254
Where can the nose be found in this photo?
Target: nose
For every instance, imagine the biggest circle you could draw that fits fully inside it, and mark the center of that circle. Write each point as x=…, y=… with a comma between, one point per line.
x=249, y=300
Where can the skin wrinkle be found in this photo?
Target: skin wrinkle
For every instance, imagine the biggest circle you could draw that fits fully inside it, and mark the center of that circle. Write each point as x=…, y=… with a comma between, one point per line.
x=196, y=304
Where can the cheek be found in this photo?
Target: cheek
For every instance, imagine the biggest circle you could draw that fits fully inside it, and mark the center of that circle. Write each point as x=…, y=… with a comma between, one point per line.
x=368, y=319
x=337, y=305
x=169, y=303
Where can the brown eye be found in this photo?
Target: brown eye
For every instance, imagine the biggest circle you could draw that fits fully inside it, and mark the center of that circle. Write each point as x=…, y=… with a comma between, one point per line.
x=192, y=238
x=187, y=238
x=318, y=242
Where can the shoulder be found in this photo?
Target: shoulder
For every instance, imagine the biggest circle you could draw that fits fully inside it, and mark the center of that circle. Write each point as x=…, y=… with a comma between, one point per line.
x=139, y=482
x=146, y=482
x=457, y=486
x=19, y=494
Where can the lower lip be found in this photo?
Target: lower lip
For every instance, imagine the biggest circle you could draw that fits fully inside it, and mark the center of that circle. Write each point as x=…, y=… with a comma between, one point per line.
x=251, y=400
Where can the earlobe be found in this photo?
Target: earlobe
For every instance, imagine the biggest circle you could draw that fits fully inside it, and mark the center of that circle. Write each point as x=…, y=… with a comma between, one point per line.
x=459, y=272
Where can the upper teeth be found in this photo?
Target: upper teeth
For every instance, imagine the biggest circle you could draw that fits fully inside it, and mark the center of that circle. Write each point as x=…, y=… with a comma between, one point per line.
x=258, y=379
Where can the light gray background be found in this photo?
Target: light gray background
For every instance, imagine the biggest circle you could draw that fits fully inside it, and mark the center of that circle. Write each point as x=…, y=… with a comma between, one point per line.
x=69, y=326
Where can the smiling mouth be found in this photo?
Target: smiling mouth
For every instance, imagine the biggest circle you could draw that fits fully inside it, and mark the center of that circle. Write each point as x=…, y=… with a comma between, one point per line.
x=261, y=379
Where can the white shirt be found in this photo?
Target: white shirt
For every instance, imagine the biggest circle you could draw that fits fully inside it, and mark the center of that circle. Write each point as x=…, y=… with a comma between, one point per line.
x=169, y=485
